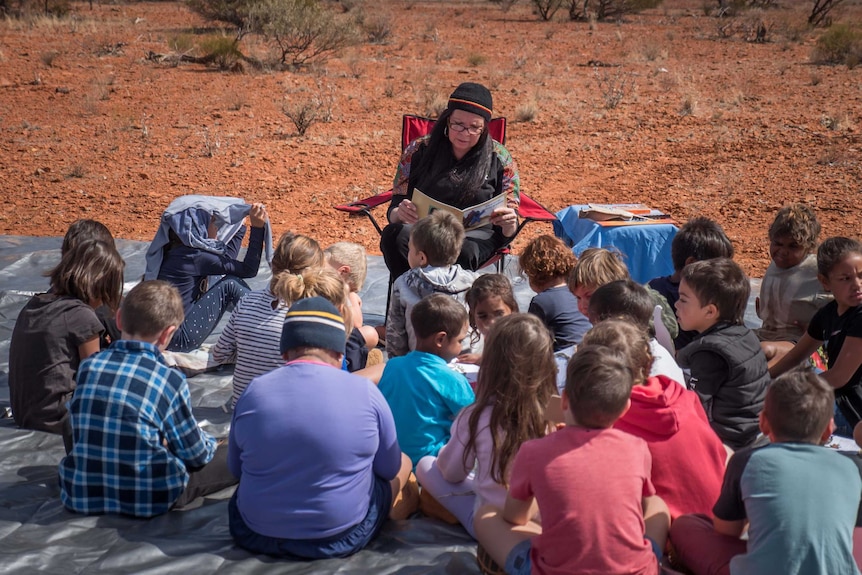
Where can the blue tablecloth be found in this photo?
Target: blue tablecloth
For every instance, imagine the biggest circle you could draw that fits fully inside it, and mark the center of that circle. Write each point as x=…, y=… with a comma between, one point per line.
x=646, y=248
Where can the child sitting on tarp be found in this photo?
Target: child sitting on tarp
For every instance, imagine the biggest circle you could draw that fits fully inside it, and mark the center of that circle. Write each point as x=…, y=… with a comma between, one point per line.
x=82, y=230
x=799, y=500
x=198, y=237
x=250, y=338
x=424, y=393
x=351, y=263
x=137, y=447
x=57, y=330
x=597, y=267
x=547, y=262
x=600, y=513
x=698, y=239
x=790, y=293
x=434, y=245
x=315, y=449
x=687, y=456
x=728, y=368
x=490, y=298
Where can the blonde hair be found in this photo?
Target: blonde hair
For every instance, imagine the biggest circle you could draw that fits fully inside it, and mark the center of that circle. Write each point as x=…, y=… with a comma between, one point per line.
x=597, y=267
x=351, y=255
x=295, y=253
x=323, y=282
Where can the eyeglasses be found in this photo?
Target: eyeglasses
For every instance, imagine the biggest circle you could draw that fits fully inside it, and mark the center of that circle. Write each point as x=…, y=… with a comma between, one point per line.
x=472, y=130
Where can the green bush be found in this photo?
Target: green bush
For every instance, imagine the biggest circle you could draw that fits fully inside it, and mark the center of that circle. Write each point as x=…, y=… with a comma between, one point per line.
x=840, y=44
x=303, y=30
x=222, y=50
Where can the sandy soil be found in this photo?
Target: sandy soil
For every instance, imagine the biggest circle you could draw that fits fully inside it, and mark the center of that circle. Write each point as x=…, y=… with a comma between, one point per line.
x=732, y=129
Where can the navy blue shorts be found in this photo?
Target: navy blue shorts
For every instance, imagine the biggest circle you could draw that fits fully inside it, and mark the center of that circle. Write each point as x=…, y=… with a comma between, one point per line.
x=342, y=544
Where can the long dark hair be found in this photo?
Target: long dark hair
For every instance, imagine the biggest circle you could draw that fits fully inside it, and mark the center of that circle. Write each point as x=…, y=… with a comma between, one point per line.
x=516, y=380
x=92, y=271
x=471, y=170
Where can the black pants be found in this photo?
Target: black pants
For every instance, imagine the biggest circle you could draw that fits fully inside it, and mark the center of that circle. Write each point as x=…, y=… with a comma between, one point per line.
x=474, y=253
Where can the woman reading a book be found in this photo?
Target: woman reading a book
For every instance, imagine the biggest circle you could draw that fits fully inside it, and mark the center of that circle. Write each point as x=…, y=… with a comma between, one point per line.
x=458, y=164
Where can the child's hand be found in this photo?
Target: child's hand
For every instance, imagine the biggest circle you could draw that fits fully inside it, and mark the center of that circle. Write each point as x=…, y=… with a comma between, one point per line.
x=474, y=358
x=258, y=215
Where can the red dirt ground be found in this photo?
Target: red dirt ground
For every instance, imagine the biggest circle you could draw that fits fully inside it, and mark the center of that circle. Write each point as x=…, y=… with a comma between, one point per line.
x=716, y=126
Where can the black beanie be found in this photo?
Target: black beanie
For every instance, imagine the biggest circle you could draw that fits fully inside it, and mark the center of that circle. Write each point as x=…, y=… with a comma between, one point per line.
x=474, y=98
x=313, y=322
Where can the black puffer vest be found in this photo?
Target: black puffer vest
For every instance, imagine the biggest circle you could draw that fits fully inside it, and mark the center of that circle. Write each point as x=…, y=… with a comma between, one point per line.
x=734, y=408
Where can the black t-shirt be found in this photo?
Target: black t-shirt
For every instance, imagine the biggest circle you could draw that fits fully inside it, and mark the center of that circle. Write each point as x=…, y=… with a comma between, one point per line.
x=830, y=328
x=44, y=358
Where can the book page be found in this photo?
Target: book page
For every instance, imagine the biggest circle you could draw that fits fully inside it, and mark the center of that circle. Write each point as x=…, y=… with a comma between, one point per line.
x=472, y=217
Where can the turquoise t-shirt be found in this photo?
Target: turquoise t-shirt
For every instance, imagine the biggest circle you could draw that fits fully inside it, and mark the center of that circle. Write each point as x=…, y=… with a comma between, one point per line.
x=802, y=503
x=424, y=395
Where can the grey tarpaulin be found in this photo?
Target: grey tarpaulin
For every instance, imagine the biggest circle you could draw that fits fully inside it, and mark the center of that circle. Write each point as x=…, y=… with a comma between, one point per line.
x=38, y=534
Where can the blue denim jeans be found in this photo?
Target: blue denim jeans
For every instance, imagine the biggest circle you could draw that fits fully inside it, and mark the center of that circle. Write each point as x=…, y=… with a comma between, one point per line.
x=206, y=312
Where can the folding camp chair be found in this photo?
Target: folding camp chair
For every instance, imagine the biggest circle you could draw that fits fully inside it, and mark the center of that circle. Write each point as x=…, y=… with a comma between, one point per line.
x=413, y=127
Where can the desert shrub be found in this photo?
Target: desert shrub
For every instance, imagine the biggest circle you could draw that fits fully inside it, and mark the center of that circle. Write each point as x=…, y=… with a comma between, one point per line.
x=302, y=109
x=222, y=50
x=547, y=8
x=651, y=49
x=613, y=87
x=303, y=30
x=433, y=103
x=48, y=58
x=526, y=112
x=737, y=7
x=608, y=9
x=840, y=44
x=182, y=43
x=820, y=12
x=475, y=59
x=377, y=28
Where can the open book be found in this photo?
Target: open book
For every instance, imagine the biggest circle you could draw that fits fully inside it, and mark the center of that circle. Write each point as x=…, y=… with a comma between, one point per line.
x=472, y=217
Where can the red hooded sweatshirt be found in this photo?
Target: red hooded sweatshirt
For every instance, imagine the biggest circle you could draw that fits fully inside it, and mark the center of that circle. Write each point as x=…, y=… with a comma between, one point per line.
x=688, y=458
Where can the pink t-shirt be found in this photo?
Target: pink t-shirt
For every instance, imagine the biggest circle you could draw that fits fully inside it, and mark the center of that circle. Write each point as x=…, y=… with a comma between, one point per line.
x=589, y=484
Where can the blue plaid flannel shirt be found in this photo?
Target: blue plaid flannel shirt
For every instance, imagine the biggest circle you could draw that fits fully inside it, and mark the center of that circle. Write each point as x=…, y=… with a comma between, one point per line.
x=128, y=404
